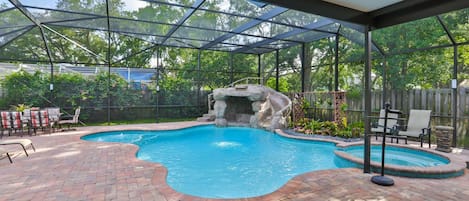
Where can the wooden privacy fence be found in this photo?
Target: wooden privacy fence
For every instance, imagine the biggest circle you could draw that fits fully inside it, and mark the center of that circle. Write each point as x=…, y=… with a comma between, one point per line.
x=439, y=101
x=320, y=106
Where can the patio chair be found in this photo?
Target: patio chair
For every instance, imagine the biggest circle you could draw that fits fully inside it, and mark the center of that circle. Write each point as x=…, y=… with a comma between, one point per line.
x=40, y=120
x=17, y=122
x=54, y=116
x=70, y=119
x=3, y=151
x=5, y=122
x=418, y=126
x=35, y=122
x=12, y=121
x=45, y=121
x=24, y=143
x=378, y=127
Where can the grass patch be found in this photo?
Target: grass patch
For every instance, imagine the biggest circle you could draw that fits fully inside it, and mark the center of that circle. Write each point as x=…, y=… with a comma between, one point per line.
x=138, y=121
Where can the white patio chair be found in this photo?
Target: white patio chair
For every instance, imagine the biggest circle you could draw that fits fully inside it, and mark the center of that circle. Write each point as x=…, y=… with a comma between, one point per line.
x=418, y=126
x=70, y=120
x=378, y=127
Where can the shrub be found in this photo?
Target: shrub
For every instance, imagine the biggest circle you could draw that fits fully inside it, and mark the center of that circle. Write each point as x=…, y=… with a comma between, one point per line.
x=328, y=128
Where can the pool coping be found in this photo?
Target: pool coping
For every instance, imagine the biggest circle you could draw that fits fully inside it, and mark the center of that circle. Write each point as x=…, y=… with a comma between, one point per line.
x=455, y=167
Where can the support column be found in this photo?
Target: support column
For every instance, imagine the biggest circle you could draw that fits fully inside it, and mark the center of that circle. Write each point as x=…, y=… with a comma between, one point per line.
x=108, y=64
x=198, y=78
x=385, y=82
x=454, y=87
x=259, y=67
x=336, y=59
x=367, y=97
x=157, y=116
x=276, y=70
x=231, y=68
x=303, y=67
x=454, y=81
x=157, y=83
x=49, y=55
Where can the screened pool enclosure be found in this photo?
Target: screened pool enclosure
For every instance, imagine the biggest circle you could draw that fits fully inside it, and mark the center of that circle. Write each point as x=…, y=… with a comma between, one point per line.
x=122, y=60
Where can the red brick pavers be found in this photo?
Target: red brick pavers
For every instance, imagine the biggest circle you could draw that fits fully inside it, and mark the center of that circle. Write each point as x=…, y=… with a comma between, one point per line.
x=67, y=168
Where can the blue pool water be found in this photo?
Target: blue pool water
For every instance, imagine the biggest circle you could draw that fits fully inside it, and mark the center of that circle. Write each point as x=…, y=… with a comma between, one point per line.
x=400, y=156
x=237, y=162
x=229, y=162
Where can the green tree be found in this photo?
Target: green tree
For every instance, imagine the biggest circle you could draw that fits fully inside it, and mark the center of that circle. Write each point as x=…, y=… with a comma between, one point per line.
x=282, y=84
x=420, y=69
x=24, y=88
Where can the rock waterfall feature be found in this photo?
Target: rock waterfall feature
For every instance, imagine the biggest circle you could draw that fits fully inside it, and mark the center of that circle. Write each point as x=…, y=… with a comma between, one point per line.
x=251, y=105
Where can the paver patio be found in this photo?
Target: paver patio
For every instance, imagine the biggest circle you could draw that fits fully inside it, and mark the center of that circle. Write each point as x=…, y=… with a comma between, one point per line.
x=67, y=168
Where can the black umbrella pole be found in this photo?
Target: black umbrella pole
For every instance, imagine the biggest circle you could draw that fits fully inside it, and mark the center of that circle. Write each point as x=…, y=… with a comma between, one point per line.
x=382, y=180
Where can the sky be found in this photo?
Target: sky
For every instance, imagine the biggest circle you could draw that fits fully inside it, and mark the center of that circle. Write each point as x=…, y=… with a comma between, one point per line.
x=132, y=5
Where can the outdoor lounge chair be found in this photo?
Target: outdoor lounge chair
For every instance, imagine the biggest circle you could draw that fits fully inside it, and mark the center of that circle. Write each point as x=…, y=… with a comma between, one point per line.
x=418, y=126
x=378, y=127
x=70, y=120
x=3, y=151
x=24, y=143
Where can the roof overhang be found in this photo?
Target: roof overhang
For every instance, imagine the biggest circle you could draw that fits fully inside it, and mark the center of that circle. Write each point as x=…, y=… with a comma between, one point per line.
x=379, y=14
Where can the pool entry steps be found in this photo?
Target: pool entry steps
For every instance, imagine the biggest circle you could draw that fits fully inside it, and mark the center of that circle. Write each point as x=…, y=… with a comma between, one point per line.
x=251, y=105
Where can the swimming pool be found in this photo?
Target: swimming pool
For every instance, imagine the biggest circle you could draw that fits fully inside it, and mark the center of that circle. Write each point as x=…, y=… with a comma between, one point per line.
x=239, y=162
x=233, y=162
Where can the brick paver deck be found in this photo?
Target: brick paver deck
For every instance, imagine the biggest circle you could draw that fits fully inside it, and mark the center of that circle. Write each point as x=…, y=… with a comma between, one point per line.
x=67, y=168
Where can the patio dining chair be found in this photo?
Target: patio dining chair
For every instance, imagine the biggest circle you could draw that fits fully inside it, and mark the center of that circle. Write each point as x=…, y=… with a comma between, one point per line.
x=5, y=122
x=54, y=116
x=40, y=120
x=45, y=121
x=378, y=127
x=12, y=121
x=418, y=126
x=70, y=119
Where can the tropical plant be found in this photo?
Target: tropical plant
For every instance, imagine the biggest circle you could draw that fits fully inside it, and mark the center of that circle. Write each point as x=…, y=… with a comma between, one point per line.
x=20, y=107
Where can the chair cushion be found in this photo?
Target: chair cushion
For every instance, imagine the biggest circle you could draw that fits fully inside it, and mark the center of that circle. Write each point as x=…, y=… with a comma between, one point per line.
x=6, y=120
x=410, y=133
x=17, y=119
x=35, y=119
x=44, y=118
